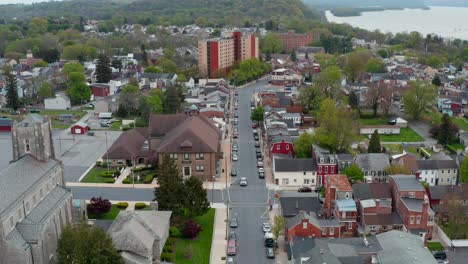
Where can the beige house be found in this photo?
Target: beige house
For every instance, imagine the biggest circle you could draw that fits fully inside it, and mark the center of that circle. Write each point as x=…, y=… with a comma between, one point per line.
x=289, y=172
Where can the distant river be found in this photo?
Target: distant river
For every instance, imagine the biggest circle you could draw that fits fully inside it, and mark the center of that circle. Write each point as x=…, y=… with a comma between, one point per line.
x=448, y=22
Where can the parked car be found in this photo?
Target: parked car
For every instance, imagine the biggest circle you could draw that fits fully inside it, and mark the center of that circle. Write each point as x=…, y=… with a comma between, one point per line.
x=261, y=169
x=230, y=260
x=233, y=172
x=304, y=189
x=232, y=248
x=243, y=181
x=266, y=227
x=235, y=134
x=441, y=257
x=234, y=157
x=254, y=125
x=105, y=124
x=235, y=147
x=233, y=223
x=256, y=137
x=257, y=144
x=232, y=236
x=270, y=253
x=260, y=164
x=261, y=174
x=90, y=133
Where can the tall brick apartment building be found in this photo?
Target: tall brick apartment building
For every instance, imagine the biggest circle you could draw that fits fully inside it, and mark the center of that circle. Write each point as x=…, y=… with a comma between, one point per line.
x=221, y=53
x=292, y=40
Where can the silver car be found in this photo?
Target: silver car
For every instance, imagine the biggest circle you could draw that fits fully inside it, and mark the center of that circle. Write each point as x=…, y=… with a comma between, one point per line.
x=234, y=157
x=243, y=181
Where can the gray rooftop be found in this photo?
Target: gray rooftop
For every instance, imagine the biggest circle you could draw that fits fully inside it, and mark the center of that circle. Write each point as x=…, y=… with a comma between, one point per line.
x=290, y=165
x=437, y=164
x=407, y=183
x=31, y=119
x=403, y=248
x=17, y=179
x=291, y=205
x=413, y=204
x=373, y=161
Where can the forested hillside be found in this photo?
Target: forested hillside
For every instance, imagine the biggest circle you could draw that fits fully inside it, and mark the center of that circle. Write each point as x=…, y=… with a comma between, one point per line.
x=166, y=11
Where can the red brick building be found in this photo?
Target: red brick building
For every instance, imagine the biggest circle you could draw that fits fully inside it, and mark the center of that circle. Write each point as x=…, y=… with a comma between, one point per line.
x=337, y=187
x=326, y=163
x=282, y=145
x=308, y=225
x=412, y=204
x=100, y=89
x=346, y=213
x=292, y=40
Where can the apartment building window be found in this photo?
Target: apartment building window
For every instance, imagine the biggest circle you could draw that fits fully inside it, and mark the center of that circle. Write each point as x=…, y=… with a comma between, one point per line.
x=441, y=180
x=350, y=226
x=324, y=231
x=186, y=156
x=26, y=145
x=320, y=169
x=326, y=169
x=411, y=221
x=173, y=156
x=432, y=180
x=313, y=181
x=199, y=156
x=448, y=171
x=442, y=171
x=332, y=160
x=418, y=219
x=332, y=231
x=285, y=181
x=287, y=147
x=306, y=181
x=304, y=173
x=278, y=147
x=411, y=195
x=200, y=168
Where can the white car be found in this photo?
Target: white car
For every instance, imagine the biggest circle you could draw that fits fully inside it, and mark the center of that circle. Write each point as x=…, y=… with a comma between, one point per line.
x=243, y=181
x=234, y=157
x=261, y=169
x=266, y=227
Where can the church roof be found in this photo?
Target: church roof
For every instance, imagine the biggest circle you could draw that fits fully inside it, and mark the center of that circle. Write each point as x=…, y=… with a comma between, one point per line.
x=20, y=177
x=31, y=119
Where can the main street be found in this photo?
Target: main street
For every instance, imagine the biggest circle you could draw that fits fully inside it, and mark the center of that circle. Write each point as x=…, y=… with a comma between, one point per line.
x=249, y=204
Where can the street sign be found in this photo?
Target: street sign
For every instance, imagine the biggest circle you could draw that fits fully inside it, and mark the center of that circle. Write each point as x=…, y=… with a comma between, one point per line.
x=276, y=195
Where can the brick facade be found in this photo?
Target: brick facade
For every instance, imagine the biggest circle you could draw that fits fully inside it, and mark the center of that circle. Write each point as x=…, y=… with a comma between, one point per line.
x=292, y=40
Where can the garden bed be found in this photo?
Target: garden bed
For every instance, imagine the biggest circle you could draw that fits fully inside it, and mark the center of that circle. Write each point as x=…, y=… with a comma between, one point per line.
x=111, y=215
x=99, y=174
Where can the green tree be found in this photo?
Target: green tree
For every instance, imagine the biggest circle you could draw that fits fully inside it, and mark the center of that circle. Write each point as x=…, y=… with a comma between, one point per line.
x=128, y=101
x=354, y=173
x=152, y=103
x=337, y=127
x=419, y=99
x=436, y=81
x=434, y=61
x=279, y=224
x=374, y=143
x=329, y=81
x=103, y=69
x=195, y=199
x=40, y=64
x=355, y=64
x=303, y=145
x=117, y=64
x=397, y=169
x=72, y=67
x=293, y=55
x=167, y=66
x=271, y=44
x=82, y=244
x=172, y=100
x=79, y=93
x=153, y=69
x=353, y=100
x=464, y=170
x=383, y=53
x=201, y=21
x=310, y=98
x=38, y=26
x=45, y=91
x=375, y=65
x=257, y=114
x=11, y=88
x=171, y=193
x=446, y=132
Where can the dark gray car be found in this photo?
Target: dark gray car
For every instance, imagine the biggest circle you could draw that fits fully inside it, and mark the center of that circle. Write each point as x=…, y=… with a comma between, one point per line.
x=233, y=223
x=270, y=253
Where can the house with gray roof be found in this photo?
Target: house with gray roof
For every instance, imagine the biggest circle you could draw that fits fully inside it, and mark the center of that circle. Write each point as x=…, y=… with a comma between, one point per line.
x=295, y=172
x=139, y=236
x=35, y=205
x=292, y=203
x=438, y=172
x=373, y=165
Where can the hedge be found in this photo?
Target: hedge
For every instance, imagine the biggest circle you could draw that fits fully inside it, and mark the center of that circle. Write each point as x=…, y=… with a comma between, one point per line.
x=170, y=240
x=149, y=178
x=122, y=205
x=166, y=256
x=104, y=164
x=98, y=163
x=126, y=181
x=174, y=232
x=140, y=206
x=167, y=249
x=107, y=173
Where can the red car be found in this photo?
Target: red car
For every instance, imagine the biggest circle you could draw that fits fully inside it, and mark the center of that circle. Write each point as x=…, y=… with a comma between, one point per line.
x=254, y=125
x=231, y=249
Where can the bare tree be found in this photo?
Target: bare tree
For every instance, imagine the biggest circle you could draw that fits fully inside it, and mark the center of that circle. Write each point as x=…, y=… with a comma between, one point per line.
x=379, y=94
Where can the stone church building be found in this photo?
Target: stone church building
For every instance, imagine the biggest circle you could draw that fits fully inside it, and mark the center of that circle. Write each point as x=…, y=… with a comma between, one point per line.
x=35, y=205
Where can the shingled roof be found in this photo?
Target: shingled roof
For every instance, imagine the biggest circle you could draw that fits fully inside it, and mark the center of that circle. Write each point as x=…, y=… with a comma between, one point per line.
x=288, y=165
x=129, y=145
x=159, y=125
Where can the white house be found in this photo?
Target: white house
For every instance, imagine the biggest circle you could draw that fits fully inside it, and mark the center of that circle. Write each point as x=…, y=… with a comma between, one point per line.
x=116, y=84
x=381, y=129
x=438, y=172
x=60, y=102
x=289, y=172
x=190, y=83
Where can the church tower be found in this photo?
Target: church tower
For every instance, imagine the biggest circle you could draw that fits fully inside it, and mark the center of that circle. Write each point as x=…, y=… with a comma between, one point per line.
x=33, y=136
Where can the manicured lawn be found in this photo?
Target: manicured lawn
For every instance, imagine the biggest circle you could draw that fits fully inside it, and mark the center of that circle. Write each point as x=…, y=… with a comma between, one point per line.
x=435, y=246
x=111, y=215
x=413, y=150
x=406, y=135
x=201, y=246
x=373, y=121
x=395, y=148
x=461, y=122
x=94, y=176
x=115, y=125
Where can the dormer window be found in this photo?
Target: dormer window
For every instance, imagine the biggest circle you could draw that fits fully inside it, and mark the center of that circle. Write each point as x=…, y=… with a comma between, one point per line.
x=411, y=195
x=332, y=160
x=321, y=160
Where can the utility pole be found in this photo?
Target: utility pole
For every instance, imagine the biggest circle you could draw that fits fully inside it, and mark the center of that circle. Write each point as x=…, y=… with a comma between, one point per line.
x=107, y=154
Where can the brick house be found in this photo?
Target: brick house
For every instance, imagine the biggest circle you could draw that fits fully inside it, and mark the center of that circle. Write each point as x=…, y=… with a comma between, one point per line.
x=326, y=163
x=346, y=213
x=412, y=204
x=308, y=225
x=270, y=99
x=337, y=187
x=100, y=89
x=282, y=145
x=191, y=140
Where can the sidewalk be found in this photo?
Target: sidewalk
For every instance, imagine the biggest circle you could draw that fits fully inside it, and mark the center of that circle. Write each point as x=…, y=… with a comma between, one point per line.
x=281, y=255
x=123, y=175
x=219, y=243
